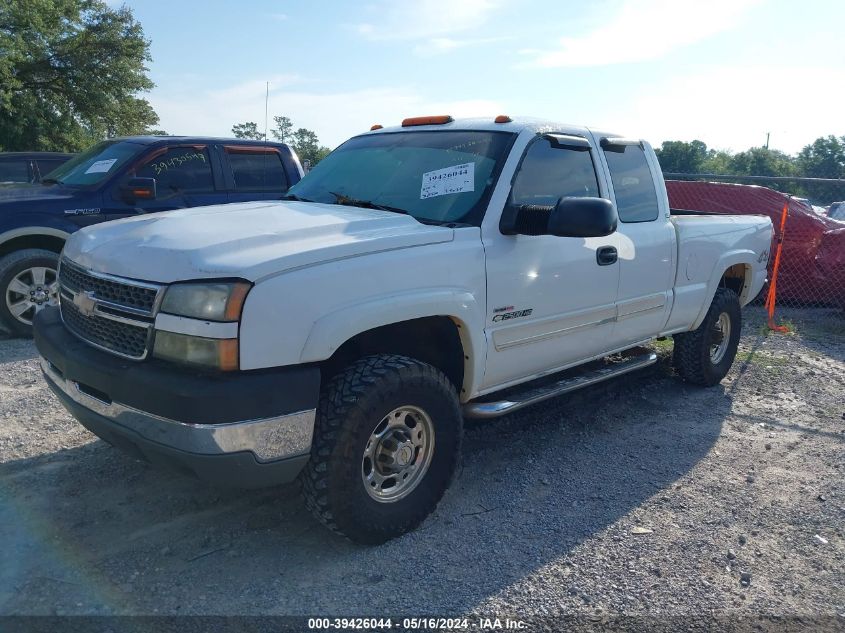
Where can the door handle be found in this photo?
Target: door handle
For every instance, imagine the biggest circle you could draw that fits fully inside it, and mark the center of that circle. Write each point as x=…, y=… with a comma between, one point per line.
x=606, y=255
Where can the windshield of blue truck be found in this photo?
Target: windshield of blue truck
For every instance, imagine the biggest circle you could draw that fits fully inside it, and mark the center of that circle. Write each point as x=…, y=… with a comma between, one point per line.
x=94, y=165
x=444, y=177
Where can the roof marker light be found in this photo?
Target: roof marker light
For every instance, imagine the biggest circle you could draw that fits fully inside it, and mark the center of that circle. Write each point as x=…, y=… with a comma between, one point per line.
x=427, y=120
x=502, y=118
x=376, y=127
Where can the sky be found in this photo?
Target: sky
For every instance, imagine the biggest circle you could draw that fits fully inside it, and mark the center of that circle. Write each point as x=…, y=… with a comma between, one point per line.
x=726, y=72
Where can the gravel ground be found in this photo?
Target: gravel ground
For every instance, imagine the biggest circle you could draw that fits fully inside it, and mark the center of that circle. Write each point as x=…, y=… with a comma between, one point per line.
x=643, y=496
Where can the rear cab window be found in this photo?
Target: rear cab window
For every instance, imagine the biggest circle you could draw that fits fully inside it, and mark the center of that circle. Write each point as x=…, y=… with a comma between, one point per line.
x=633, y=182
x=15, y=170
x=257, y=169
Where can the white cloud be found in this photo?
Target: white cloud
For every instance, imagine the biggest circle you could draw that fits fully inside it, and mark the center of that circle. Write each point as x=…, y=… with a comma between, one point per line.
x=425, y=19
x=643, y=30
x=441, y=45
x=334, y=117
x=733, y=108
x=280, y=17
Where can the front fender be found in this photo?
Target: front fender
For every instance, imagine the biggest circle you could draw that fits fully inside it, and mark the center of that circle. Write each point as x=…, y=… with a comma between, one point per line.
x=334, y=329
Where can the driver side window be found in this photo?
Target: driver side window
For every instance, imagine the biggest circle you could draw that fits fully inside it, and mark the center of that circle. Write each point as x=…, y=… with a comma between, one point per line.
x=550, y=171
x=179, y=170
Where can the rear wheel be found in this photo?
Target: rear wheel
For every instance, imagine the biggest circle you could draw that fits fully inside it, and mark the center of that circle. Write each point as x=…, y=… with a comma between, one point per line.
x=386, y=444
x=705, y=355
x=28, y=283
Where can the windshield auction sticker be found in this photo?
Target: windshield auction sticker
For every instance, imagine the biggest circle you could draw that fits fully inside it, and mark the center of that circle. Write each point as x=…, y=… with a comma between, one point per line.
x=441, y=182
x=101, y=166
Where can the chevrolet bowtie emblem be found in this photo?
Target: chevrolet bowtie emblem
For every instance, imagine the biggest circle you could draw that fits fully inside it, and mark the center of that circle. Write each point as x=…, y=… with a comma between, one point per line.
x=85, y=302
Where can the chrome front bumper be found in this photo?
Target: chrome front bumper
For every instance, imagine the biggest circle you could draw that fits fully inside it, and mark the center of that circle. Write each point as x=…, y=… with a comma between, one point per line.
x=268, y=439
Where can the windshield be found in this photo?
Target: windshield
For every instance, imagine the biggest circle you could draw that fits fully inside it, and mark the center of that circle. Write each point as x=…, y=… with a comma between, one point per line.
x=435, y=176
x=95, y=164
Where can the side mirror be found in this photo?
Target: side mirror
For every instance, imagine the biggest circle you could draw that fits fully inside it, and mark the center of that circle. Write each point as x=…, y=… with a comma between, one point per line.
x=583, y=217
x=139, y=189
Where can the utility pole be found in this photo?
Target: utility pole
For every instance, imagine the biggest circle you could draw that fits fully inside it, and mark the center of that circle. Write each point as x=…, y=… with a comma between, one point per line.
x=767, y=140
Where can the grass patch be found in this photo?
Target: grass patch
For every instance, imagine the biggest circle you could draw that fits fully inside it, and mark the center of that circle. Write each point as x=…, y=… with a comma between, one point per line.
x=763, y=358
x=666, y=345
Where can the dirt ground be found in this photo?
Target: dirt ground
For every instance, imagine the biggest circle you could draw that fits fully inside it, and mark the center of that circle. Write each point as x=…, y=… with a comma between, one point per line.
x=642, y=496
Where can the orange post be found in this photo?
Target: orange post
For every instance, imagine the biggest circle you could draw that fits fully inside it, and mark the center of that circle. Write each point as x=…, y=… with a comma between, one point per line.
x=773, y=284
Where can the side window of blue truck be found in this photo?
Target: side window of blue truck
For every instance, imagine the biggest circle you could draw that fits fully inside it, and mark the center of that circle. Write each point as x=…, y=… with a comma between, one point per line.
x=178, y=170
x=257, y=169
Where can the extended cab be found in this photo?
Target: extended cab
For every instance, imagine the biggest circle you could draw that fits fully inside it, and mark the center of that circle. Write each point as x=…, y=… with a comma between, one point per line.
x=418, y=275
x=115, y=179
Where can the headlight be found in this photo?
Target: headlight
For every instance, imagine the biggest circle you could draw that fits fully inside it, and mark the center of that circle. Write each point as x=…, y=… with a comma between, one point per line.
x=216, y=353
x=212, y=301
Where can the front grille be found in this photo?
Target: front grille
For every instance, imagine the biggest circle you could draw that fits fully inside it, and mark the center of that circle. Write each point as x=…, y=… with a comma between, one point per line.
x=122, y=294
x=108, y=312
x=120, y=338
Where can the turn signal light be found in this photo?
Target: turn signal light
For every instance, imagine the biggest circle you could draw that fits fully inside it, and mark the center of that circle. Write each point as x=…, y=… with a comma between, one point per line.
x=427, y=120
x=502, y=118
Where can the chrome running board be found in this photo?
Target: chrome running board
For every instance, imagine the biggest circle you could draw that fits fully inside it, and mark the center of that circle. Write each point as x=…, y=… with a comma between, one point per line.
x=521, y=399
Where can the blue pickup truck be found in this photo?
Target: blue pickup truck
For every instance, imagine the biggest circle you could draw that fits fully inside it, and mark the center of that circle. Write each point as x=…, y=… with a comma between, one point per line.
x=115, y=179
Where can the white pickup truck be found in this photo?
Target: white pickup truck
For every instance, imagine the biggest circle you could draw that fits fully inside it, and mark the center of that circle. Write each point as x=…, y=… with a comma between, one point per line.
x=418, y=275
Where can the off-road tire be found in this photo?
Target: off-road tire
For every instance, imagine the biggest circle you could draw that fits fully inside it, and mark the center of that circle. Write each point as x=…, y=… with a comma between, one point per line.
x=351, y=405
x=10, y=266
x=692, y=349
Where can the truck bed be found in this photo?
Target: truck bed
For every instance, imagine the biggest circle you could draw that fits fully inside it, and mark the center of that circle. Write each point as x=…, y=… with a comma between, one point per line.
x=706, y=242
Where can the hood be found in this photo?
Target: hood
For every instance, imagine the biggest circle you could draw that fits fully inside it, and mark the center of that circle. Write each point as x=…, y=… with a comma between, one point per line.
x=249, y=240
x=18, y=194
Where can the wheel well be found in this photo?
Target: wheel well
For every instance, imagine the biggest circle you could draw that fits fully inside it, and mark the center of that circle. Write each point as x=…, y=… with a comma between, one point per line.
x=432, y=340
x=737, y=277
x=47, y=242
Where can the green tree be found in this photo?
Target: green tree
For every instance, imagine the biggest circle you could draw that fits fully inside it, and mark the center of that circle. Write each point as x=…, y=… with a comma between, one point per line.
x=823, y=158
x=305, y=142
x=283, y=132
x=681, y=157
x=717, y=162
x=247, y=130
x=307, y=146
x=759, y=161
x=70, y=74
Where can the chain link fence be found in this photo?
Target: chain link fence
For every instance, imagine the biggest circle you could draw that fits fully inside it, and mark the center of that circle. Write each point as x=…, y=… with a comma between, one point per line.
x=812, y=266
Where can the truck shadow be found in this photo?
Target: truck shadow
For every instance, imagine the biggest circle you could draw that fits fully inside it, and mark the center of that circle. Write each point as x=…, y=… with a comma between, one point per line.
x=15, y=349
x=87, y=530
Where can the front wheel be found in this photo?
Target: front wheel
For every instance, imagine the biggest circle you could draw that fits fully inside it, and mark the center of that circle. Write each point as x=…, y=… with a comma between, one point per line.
x=705, y=355
x=28, y=284
x=386, y=444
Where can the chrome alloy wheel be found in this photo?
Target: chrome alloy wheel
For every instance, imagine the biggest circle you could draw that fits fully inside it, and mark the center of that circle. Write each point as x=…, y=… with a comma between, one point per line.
x=720, y=338
x=398, y=454
x=30, y=291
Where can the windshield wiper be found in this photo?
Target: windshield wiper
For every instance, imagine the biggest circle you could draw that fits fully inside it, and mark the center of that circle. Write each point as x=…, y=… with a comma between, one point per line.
x=50, y=181
x=366, y=204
